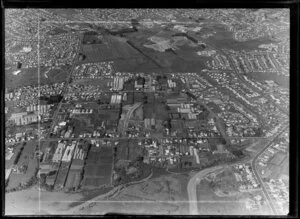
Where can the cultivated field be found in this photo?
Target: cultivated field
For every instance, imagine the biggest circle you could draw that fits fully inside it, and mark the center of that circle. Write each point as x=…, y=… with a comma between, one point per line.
x=26, y=162
x=98, y=168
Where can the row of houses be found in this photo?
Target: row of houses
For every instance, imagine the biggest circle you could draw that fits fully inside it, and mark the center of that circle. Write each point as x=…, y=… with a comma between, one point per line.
x=25, y=118
x=82, y=111
x=40, y=108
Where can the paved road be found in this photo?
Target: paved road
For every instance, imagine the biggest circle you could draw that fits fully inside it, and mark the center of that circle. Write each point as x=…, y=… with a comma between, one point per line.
x=65, y=88
x=255, y=170
x=192, y=187
x=217, y=119
x=125, y=138
x=129, y=113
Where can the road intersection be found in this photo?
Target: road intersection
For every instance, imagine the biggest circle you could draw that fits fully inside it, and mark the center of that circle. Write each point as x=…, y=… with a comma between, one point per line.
x=196, y=179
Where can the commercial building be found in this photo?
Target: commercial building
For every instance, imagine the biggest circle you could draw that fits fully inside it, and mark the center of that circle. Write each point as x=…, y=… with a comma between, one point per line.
x=58, y=152
x=69, y=152
x=118, y=83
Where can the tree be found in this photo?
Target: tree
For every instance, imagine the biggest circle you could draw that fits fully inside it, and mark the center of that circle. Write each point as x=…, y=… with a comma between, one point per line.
x=115, y=151
x=140, y=159
x=185, y=163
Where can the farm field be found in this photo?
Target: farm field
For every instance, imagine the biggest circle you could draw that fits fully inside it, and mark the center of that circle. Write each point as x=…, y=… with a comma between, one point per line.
x=62, y=175
x=121, y=48
x=139, y=64
x=73, y=180
x=97, y=53
x=92, y=38
x=128, y=150
x=98, y=168
x=156, y=110
x=28, y=166
x=112, y=48
x=10, y=162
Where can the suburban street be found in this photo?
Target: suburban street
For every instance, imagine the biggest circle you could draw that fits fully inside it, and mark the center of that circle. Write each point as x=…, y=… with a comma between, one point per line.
x=195, y=180
x=255, y=170
x=147, y=111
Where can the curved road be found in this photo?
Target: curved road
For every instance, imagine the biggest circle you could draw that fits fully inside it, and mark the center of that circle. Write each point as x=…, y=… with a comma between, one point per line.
x=129, y=113
x=192, y=185
x=285, y=126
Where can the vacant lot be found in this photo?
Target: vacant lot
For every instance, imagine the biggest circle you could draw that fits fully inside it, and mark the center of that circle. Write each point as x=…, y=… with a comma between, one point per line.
x=122, y=150
x=31, y=76
x=92, y=38
x=135, y=150
x=226, y=183
x=210, y=203
x=82, y=124
x=278, y=158
x=34, y=202
x=161, y=195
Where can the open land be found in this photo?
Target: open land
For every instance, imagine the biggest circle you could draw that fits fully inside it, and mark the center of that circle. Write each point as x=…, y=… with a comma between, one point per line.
x=147, y=111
